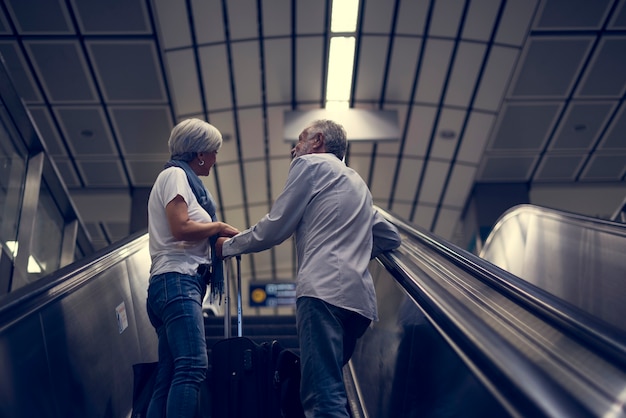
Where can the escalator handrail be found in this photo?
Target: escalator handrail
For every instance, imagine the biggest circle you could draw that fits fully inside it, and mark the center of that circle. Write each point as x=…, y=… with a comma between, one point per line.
x=40, y=293
x=590, y=330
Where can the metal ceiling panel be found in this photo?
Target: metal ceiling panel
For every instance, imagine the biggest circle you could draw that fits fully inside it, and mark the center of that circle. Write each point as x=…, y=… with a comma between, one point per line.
x=308, y=77
x=18, y=69
x=559, y=167
x=383, y=177
x=419, y=129
x=142, y=131
x=465, y=74
x=62, y=69
x=242, y=25
x=225, y=123
x=370, y=72
x=41, y=17
x=475, y=137
x=173, y=23
x=496, y=76
x=47, y=131
x=605, y=167
x=183, y=81
x=68, y=172
x=481, y=18
x=278, y=77
x=230, y=181
x=448, y=16
x=619, y=18
x=5, y=28
x=460, y=185
x=515, y=22
x=408, y=178
x=446, y=138
x=499, y=169
x=550, y=66
x=127, y=71
x=378, y=16
x=256, y=183
x=276, y=17
x=615, y=138
x=142, y=172
x=606, y=76
x=111, y=16
x=434, y=179
x=87, y=131
x=216, y=77
x=411, y=17
x=582, y=125
x=245, y=67
x=524, y=126
x=424, y=215
x=446, y=222
x=566, y=14
x=102, y=173
x=432, y=76
x=251, y=134
x=401, y=71
x=311, y=17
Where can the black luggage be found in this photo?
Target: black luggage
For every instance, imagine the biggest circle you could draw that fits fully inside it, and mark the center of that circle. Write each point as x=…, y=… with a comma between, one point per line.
x=243, y=372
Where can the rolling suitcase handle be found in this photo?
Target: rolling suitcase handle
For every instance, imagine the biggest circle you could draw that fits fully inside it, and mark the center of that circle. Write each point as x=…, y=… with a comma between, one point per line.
x=227, y=318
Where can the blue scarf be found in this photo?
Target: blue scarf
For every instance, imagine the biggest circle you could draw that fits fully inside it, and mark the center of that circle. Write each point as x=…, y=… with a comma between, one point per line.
x=206, y=201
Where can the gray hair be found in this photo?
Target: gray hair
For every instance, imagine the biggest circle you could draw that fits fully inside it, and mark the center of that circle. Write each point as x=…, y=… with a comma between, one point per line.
x=192, y=136
x=335, y=137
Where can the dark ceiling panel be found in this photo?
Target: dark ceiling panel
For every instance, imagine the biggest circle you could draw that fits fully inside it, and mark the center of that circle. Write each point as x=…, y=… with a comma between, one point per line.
x=606, y=167
x=128, y=71
x=615, y=138
x=569, y=14
x=101, y=173
x=63, y=71
x=506, y=169
x=111, y=16
x=86, y=131
x=142, y=130
x=550, y=67
x=606, y=76
x=582, y=126
x=40, y=16
x=559, y=167
x=18, y=70
x=524, y=126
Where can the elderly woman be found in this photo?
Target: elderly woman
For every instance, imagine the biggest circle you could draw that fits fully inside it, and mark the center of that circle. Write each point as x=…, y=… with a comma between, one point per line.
x=182, y=227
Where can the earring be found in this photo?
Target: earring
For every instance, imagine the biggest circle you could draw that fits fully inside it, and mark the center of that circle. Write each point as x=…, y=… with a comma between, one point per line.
x=200, y=163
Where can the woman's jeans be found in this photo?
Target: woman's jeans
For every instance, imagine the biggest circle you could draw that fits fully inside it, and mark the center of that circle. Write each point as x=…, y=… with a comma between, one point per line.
x=175, y=310
x=327, y=336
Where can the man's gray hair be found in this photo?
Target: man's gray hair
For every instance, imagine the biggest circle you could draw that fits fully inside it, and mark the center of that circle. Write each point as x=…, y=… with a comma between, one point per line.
x=335, y=137
x=192, y=136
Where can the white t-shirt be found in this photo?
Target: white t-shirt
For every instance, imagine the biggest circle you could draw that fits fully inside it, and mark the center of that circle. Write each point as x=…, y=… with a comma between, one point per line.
x=168, y=254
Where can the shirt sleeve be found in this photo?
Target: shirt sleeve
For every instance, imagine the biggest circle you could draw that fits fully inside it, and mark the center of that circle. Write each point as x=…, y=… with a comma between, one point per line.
x=282, y=220
x=385, y=235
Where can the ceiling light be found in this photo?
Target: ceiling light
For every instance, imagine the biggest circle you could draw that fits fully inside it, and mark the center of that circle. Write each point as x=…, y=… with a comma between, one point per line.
x=344, y=15
x=447, y=134
x=340, y=64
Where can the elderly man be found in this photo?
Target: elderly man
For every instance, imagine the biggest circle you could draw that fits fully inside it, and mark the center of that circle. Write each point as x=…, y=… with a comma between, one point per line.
x=337, y=231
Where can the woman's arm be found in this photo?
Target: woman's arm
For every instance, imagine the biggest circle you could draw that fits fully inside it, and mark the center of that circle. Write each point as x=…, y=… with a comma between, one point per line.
x=184, y=229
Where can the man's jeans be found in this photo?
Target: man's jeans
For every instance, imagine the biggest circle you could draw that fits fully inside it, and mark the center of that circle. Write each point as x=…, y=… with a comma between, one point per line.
x=327, y=336
x=175, y=311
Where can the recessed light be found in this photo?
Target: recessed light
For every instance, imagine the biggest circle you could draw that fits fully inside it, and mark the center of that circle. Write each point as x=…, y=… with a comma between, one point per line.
x=87, y=133
x=447, y=134
x=580, y=127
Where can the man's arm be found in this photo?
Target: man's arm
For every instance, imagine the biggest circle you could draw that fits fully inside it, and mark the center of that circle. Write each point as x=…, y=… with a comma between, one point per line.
x=385, y=235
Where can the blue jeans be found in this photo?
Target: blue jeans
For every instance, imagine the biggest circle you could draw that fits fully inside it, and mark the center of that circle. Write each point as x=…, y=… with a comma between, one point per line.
x=327, y=335
x=175, y=310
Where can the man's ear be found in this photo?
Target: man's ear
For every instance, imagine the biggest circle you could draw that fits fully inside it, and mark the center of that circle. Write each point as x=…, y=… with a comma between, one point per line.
x=319, y=141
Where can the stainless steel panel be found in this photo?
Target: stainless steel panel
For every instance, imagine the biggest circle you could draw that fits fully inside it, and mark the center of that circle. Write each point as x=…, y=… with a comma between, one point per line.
x=578, y=259
x=90, y=356
x=404, y=367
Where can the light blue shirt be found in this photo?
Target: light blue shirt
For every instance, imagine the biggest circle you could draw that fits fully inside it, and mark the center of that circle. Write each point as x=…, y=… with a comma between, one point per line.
x=337, y=231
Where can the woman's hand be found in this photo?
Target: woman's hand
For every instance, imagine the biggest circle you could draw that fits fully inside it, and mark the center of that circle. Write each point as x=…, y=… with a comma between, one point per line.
x=228, y=230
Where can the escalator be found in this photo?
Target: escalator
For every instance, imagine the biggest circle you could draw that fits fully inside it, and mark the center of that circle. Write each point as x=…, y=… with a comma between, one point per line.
x=457, y=336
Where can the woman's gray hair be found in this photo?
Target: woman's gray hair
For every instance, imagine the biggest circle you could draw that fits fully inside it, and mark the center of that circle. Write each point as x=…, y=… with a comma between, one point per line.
x=192, y=136
x=335, y=137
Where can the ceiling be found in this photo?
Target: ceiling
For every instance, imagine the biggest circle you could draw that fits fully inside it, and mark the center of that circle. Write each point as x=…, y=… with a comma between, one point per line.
x=498, y=91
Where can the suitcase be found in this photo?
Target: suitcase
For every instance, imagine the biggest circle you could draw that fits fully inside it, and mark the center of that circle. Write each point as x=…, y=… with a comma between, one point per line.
x=242, y=371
